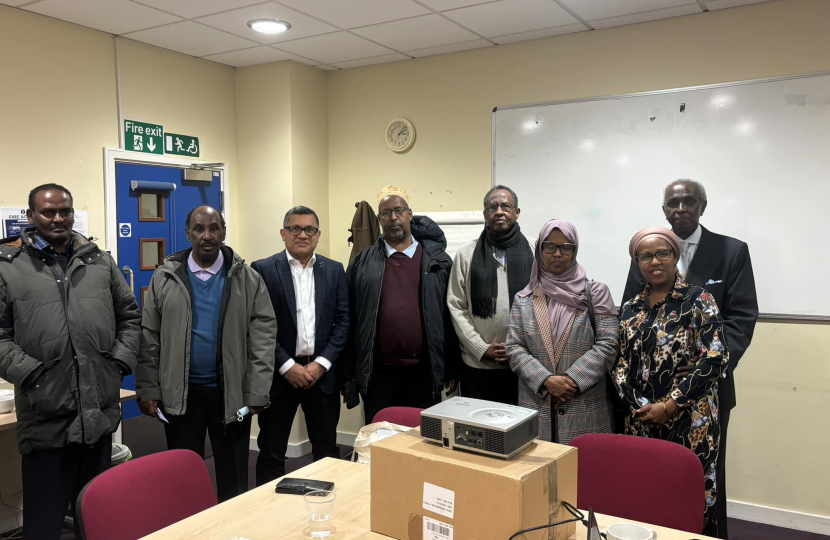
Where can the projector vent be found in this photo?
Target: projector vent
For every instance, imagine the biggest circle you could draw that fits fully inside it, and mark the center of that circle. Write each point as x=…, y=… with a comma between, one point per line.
x=494, y=441
x=430, y=428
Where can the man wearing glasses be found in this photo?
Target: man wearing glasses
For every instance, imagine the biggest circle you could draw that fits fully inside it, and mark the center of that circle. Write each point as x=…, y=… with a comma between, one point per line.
x=722, y=266
x=486, y=275
x=403, y=349
x=311, y=302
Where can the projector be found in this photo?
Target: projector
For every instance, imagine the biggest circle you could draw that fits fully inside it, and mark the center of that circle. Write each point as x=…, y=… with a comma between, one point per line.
x=486, y=427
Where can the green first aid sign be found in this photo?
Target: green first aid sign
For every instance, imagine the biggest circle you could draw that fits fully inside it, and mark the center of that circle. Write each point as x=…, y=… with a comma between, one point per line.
x=142, y=137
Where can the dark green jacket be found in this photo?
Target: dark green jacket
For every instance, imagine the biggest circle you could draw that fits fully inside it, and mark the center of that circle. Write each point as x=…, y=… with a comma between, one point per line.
x=247, y=337
x=62, y=339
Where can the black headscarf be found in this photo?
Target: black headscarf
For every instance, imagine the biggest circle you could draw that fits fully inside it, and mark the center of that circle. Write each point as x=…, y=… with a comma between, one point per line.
x=484, y=278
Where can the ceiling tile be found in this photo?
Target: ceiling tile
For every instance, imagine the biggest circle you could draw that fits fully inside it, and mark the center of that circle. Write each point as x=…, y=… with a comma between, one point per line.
x=190, y=9
x=16, y=2
x=723, y=4
x=252, y=56
x=297, y=58
x=443, y=5
x=647, y=16
x=338, y=47
x=327, y=67
x=236, y=22
x=191, y=38
x=374, y=60
x=356, y=13
x=112, y=16
x=539, y=34
x=416, y=33
x=455, y=47
x=511, y=16
x=603, y=9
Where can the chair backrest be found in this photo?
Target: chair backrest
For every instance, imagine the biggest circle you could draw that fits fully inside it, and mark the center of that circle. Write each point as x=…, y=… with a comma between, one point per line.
x=641, y=479
x=404, y=416
x=141, y=496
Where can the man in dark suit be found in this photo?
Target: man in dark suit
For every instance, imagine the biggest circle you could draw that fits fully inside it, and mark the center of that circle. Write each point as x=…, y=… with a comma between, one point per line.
x=722, y=266
x=311, y=302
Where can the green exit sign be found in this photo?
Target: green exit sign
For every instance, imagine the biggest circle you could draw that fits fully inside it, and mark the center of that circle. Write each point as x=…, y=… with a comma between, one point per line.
x=143, y=137
x=181, y=145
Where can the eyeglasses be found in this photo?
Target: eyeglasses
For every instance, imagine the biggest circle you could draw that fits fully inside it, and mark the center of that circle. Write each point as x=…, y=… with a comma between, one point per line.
x=399, y=211
x=564, y=249
x=295, y=230
x=493, y=208
x=661, y=254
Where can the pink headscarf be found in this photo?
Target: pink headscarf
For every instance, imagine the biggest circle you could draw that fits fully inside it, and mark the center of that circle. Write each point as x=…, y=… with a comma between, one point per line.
x=664, y=233
x=566, y=292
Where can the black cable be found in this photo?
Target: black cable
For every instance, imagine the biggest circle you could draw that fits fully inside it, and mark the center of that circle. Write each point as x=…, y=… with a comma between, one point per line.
x=578, y=516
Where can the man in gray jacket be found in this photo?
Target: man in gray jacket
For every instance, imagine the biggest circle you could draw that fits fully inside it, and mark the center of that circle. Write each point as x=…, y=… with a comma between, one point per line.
x=69, y=332
x=207, y=349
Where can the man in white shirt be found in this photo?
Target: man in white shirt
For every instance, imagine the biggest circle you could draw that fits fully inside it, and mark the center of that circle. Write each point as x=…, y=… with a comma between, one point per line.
x=311, y=301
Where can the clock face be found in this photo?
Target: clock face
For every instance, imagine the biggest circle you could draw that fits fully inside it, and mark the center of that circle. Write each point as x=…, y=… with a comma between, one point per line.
x=399, y=135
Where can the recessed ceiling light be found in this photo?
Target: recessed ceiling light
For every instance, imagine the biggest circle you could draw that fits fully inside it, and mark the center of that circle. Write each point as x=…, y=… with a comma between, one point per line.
x=268, y=26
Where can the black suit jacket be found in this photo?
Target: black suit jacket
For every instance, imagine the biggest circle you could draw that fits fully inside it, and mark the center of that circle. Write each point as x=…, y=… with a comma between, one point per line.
x=331, y=302
x=722, y=266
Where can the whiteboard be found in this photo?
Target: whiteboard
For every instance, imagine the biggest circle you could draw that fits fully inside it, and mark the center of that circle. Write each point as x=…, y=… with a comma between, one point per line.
x=459, y=227
x=760, y=148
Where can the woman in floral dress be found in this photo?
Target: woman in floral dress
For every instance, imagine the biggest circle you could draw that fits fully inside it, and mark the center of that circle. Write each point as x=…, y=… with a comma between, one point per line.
x=670, y=325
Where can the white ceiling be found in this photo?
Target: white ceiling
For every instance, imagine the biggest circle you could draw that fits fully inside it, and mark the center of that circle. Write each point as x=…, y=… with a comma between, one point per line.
x=340, y=34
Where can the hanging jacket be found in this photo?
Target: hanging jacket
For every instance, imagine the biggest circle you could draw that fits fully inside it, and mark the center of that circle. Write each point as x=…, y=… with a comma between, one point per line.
x=365, y=228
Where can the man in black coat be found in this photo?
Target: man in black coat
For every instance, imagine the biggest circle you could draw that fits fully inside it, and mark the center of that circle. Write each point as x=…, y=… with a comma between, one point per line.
x=403, y=346
x=722, y=266
x=311, y=302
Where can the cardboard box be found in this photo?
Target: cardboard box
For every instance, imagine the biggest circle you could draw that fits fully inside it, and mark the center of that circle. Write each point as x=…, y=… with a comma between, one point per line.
x=422, y=491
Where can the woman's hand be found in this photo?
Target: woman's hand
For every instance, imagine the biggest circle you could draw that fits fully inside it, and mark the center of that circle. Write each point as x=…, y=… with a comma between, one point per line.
x=560, y=387
x=657, y=414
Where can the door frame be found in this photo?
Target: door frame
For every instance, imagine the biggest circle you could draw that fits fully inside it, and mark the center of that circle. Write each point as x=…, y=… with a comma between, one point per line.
x=113, y=156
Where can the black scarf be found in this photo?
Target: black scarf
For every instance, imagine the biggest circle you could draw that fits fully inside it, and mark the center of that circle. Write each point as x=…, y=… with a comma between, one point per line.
x=485, y=282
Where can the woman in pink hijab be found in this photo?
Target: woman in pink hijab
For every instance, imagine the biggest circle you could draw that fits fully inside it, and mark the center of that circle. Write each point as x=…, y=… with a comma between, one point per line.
x=561, y=356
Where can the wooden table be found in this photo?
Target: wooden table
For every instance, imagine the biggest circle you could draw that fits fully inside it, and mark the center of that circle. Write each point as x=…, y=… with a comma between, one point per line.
x=8, y=421
x=262, y=514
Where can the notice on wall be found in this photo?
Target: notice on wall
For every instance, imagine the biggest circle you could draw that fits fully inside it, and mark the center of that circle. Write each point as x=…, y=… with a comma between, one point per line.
x=14, y=220
x=81, y=223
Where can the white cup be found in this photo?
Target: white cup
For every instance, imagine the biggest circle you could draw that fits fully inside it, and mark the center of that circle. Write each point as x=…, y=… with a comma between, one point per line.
x=629, y=531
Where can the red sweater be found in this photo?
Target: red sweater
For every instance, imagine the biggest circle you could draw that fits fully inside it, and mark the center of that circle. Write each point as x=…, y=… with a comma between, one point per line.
x=401, y=336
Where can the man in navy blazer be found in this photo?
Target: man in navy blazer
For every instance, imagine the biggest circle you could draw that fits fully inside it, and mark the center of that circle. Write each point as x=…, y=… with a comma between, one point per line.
x=311, y=302
x=721, y=265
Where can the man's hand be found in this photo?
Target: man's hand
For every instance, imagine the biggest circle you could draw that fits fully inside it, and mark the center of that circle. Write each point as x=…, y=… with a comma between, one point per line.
x=298, y=377
x=683, y=371
x=451, y=386
x=315, y=371
x=560, y=387
x=345, y=391
x=150, y=408
x=255, y=410
x=497, y=352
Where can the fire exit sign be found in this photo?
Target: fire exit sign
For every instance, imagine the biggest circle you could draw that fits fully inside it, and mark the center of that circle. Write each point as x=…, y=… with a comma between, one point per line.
x=143, y=137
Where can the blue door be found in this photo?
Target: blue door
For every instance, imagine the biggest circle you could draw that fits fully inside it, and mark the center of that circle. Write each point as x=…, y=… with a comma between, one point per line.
x=152, y=204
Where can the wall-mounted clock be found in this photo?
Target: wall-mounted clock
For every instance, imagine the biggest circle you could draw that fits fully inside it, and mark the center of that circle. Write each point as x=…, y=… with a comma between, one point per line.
x=400, y=135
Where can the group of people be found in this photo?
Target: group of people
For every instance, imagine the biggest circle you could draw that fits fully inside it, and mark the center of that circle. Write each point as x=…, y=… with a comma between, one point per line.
x=217, y=341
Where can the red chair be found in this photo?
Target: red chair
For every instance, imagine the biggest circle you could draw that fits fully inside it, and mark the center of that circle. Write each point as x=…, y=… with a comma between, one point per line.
x=403, y=416
x=641, y=479
x=141, y=496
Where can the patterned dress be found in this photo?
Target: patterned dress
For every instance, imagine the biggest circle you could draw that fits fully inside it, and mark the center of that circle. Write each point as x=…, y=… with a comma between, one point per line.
x=685, y=328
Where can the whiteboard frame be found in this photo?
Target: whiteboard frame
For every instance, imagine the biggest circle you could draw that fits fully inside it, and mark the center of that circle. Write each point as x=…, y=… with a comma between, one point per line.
x=783, y=317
